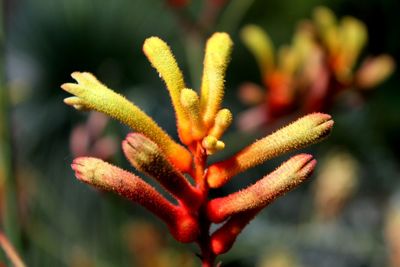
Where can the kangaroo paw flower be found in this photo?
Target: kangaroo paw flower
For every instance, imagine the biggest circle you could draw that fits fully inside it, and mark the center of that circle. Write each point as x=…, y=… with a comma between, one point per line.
x=305, y=131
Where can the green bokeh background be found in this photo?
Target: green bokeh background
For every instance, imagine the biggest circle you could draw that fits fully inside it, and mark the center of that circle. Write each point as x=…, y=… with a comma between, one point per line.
x=60, y=219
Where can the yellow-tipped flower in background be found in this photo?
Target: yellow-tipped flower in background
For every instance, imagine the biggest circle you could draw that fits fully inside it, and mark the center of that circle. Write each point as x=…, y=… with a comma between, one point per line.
x=201, y=123
x=307, y=75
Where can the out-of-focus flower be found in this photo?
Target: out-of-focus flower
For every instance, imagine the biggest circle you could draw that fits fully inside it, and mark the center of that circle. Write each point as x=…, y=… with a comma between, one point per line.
x=337, y=180
x=307, y=75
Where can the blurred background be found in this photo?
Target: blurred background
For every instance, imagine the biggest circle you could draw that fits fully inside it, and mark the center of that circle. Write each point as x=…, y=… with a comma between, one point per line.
x=347, y=214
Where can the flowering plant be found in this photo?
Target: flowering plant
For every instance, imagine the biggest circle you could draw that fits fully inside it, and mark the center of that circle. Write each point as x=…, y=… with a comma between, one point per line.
x=201, y=123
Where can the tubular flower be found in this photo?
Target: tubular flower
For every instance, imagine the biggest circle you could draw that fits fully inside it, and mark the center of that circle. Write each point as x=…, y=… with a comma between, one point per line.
x=201, y=123
x=321, y=62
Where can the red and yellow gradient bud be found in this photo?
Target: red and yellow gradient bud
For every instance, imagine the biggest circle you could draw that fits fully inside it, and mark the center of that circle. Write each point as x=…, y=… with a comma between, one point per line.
x=216, y=59
x=161, y=58
x=222, y=239
x=91, y=94
x=260, y=45
x=147, y=157
x=105, y=176
x=303, y=132
x=289, y=175
x=191, y=103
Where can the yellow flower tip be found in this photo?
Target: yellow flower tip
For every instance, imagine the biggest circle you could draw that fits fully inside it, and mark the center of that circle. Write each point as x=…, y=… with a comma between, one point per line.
x=219, y=45
x=161, y=58
x=217, y=56
x=303, y=132
x=212, y=145
x=190, y=101
x=374, y=71
x=260, y=45
x=223, y=120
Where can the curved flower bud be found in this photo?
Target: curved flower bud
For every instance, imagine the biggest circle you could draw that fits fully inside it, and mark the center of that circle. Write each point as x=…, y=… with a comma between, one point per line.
x=257, y=196
x=147, y=157
x=105, y=176
x=93, y=95
x=216, y=59
x=161, y=58
x=305, y=131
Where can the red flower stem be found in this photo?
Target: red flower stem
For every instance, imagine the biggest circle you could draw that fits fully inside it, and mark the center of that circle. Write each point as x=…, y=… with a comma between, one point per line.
x=200, y=159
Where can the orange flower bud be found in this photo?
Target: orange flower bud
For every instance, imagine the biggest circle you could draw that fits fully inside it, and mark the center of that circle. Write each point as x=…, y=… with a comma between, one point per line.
x=223, y=239
x=305, y=131
x=282, y=180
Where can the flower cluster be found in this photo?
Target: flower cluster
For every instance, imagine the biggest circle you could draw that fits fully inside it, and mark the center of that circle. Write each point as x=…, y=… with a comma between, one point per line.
x=320, y=63
x=201, y=122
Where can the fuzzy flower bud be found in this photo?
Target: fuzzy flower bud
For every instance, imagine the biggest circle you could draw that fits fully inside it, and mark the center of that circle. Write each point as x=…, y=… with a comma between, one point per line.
x=223, y=239
x=305, y=131
x=162, y=59
x=222, y=121
x=212, y=144
x=105, y=176
x=93, y=95
x=282, y=180
x=147, y=157
x=216, y=59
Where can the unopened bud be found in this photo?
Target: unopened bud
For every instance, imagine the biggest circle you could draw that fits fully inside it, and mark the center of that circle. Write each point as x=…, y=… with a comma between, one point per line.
x=212, y=144
x=190, y=101
x=222, y=121
x=147, y=157
x=289, y=175
x=305, y=131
